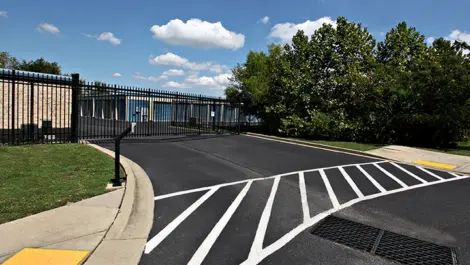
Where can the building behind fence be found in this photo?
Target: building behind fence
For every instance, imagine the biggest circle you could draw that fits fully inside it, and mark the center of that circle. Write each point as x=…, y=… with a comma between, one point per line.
x=42, y=108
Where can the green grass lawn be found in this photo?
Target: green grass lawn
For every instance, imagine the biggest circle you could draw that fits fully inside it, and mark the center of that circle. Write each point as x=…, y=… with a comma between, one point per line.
x=37, y=178
x=462, y=149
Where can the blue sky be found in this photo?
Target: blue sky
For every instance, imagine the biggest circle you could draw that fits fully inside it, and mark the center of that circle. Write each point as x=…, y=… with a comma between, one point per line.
x=102, y=37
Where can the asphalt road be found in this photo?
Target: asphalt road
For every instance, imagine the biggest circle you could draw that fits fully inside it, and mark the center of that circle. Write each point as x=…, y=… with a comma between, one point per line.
x=245, y=200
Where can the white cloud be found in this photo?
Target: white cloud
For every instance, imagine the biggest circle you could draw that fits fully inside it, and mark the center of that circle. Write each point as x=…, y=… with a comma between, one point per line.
x=106, y=36
x=457, y=35
x=45, y=27
x=198, y=34
x=218, y=82
x=173, y=72
x=137, y=75
x=285, y=31
x=3, y=13
x=430, y=40
x=171, y=59
x=264, y=20
x=116, y=74
x=174, y=84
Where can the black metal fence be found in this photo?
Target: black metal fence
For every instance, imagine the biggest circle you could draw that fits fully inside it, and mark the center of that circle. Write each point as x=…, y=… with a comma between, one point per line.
x=39, y=108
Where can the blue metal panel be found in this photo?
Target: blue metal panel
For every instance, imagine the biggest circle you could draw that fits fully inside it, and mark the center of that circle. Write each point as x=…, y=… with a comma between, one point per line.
x=136, y=108
x=161, y=111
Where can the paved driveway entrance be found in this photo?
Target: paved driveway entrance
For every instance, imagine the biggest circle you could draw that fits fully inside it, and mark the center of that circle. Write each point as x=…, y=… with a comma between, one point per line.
x=245, y=200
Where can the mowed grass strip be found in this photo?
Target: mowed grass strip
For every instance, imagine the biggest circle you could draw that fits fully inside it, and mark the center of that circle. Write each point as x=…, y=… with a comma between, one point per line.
x=37, y=178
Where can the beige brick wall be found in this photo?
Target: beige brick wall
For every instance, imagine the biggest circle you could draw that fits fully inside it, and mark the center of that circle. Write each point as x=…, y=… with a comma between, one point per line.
x=50, y=102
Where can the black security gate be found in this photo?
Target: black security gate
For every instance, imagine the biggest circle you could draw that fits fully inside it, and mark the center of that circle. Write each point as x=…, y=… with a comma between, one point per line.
x=39, y=108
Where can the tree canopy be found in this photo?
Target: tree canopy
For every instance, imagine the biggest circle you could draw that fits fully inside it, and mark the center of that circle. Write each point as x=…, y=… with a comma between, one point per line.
x=40, y=65
x=340, y=84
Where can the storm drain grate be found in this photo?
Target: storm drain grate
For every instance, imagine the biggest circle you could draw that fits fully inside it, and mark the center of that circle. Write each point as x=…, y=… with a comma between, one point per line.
x=348, y=233
x=392, y=246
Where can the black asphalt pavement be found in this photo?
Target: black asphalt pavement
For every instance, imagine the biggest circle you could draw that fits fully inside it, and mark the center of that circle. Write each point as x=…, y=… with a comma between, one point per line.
x=240, y=199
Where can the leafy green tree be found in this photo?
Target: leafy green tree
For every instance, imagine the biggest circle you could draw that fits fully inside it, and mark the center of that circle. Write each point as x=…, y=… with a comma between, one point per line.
x=249, y=82
x=7, y=61
x=40, y=66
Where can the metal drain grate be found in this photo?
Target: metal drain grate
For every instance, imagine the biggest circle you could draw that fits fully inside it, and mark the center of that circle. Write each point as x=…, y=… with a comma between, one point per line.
x=399, y=248
x=409, y=250
x=348, y=233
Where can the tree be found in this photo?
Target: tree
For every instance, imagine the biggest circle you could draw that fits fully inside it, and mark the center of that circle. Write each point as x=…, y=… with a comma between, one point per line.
x=7, y=61
x=249, y=83
x=40, y=66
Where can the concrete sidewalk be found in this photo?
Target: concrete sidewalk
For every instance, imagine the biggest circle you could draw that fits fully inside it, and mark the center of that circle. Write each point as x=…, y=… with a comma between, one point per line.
x=107, y=229
x=424, y=157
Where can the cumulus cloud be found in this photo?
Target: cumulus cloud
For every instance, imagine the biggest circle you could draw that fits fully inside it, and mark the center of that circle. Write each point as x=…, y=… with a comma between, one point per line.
x=264, y=20
x=116, y=74
x=457, y=35
x=285, y=31
x=137, y=75
x=173, y=84
x=49, y=28
x=173, y=72
x=106, y=36
x=198, y=34
x=430, y=40
x=171, y=59
x=218, y=82
x=3, y=13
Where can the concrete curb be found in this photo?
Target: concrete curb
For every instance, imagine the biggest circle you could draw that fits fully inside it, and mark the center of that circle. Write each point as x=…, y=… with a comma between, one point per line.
x=321, y=146
x=125, y=240
x=339, y=149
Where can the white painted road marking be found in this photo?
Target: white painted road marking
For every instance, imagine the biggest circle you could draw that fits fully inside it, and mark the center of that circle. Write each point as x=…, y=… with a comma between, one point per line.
x=263, y=223
x=257, y=252
x=430, y=173
x=391, y=176
x=153, y=243
x=371, y=179
x=409, y=173
x=351, y=182
x=303, y=197
x=204, y=248
x=329, y=189
x=317, y=218
x=165, y=196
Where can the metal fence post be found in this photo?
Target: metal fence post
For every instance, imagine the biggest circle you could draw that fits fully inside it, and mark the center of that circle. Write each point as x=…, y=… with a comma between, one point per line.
x=74, y=115
x=13, y=96
x=213, y=118
x=238, y=119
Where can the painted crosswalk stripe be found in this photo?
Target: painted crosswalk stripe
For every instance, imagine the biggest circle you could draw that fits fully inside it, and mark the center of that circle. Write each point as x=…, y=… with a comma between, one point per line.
x=331, y=193
x=351, y=182
x=263, y=223
x=303, y=197
x=409, y=173
x=156, y=240
x=430, y=173
x=371, y=179
x=391, y=176
x=207, y=244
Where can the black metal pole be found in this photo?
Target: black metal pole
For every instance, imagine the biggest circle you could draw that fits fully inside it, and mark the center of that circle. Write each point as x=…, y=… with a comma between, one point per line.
x=13, y=96
x=239, y=110
x=117, y=154
x=74, y=114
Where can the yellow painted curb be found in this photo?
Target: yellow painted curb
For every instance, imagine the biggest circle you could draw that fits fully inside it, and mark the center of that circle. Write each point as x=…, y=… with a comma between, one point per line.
x=435, y=164
x=37, y=256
